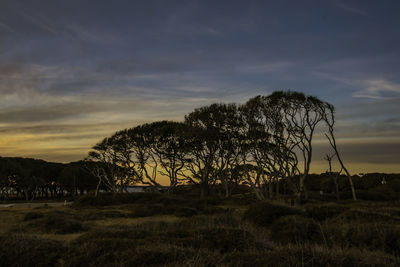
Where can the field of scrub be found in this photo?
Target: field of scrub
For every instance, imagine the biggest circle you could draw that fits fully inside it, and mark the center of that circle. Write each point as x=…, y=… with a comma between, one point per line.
x=180, y=230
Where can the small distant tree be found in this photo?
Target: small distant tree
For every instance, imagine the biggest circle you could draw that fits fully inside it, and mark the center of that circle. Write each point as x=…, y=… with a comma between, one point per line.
x=329, y=118
x=333, y=175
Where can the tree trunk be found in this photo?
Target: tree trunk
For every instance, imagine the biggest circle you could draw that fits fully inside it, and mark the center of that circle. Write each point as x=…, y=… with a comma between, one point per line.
x=271, y=189
x=332, y=141
x=204, y=190
x=277, y=188
x=96, y=193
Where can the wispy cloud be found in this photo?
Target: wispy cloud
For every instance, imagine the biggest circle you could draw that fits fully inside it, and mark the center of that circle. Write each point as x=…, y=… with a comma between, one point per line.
x=6, y=27
x=40, y=22
x=378, y=89
x=266, y=67
x=348, y=8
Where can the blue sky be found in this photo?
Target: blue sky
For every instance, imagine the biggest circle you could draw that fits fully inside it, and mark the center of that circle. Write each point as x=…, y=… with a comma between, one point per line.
x=73, y=72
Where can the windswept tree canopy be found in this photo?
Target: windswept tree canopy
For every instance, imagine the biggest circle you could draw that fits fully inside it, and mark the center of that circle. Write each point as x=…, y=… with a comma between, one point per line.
x=269, y=136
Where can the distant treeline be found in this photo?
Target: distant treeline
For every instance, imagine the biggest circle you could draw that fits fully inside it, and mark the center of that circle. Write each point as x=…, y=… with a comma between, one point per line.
x=28, y=179
x=25, y=178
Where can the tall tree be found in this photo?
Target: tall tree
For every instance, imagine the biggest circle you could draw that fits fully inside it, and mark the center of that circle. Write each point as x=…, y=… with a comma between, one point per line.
x=169, y=147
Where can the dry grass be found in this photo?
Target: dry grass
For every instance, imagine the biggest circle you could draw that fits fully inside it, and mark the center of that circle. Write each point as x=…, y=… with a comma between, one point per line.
x=135, y=221
x=113, y=236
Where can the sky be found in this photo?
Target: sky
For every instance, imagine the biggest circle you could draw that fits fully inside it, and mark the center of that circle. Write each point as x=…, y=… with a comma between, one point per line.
x=75, y=71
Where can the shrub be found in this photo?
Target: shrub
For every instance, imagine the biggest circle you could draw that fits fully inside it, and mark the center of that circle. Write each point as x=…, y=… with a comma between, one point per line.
x=110, y=233
x=364, y=235
x=366, y=216
x=223, y=239
x=99, y=252
x=228, y=220
x=100, y=215
x=57, y=223
x=185, y=212
x=32, y=216
x=394, y=185
x=123, y=248
x=295, y=229
x=154, y=257
x=296, y=255
x=245, y=199
x=265, y=213
x=146, y=210
x=383, y=193
x=22, y=250
x=322, y=213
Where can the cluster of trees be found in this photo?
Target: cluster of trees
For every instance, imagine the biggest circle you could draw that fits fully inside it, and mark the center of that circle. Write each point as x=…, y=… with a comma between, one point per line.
x=31, y=178
x=264, y=143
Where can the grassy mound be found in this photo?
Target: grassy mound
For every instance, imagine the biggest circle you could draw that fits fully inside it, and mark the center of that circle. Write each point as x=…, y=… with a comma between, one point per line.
x=295, y=229
x=373, y=236
x=324, y=212
x=23, y=250
x=297, y=255
x=54, y=223
x=265, y=213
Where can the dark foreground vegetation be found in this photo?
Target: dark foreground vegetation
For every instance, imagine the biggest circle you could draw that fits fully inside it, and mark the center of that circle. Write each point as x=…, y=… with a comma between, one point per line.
x=153, y=229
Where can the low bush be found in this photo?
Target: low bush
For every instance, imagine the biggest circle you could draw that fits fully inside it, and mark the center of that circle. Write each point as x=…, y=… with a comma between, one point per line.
x=295, y=229
x=360, y=215
x=100, y=215
x=116, y=233
x=224, y=220
x=23, y=250
x=374, y=236
x=225, y=239
x=146, y=210
x=32, y=216
x=321, y=213
x=374, y=194
x=99, y=252
x=291, y=255
x=157, y=257
x=265, y=213
x=56, y=223
x=185, y=212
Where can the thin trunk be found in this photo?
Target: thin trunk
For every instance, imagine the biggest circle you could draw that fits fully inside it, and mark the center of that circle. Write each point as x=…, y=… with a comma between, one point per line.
x=277, y=187
x=97, y=188
x=271, y=189
x=332, y=141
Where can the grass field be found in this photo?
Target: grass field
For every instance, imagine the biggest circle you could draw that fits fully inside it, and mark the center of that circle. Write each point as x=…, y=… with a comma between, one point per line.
x=161, y=230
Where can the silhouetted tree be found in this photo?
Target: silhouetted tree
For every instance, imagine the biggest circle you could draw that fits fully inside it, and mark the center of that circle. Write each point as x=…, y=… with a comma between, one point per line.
x=329, y=118
x=222, y=125
x=107, y=168
x=169, y=147
x=203, y=149
x=333, y=175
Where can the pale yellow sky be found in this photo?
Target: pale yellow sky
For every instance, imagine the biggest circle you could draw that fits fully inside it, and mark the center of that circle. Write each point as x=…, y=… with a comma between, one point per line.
x=361, y=154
